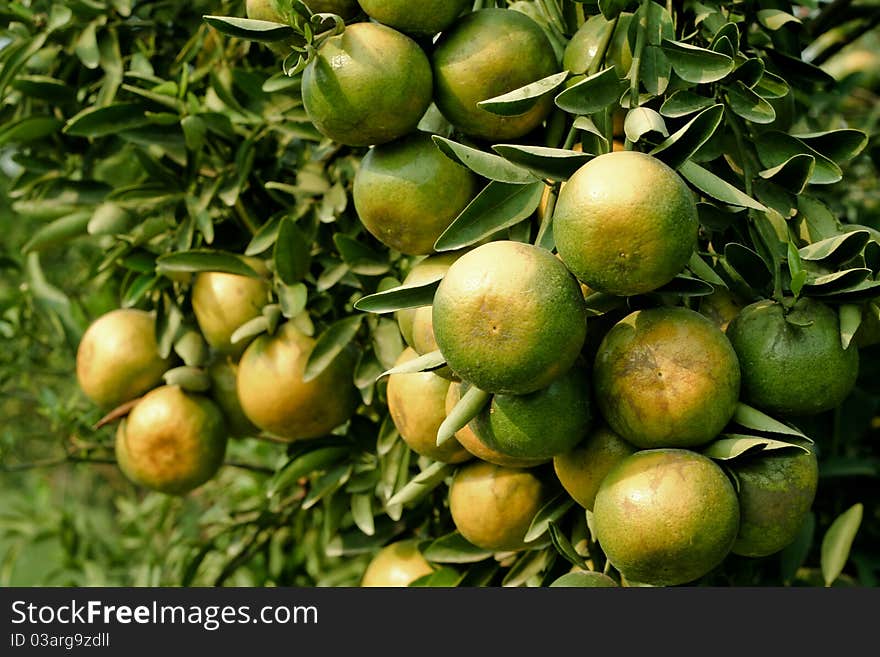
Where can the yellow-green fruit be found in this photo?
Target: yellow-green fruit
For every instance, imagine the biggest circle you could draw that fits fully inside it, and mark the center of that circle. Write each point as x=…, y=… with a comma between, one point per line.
x=407, y=192
x=584, y=579
x=172, y=441
x=223, y=302
x=277, y=399
x=625, y=223
x=486, y=54
x=584, y=45
x=776, y=491
x=395, y=565
x=493, y=506
x=666, y=516
x=582, y=469
x=224, y=391
x=417, y=17
x=469, y=440
x=417, y=404
x=541, y=424
x=666, y=377
x=792, y=361
x=429, y=269
x=118, y=358
x=509, y=317
x=262, y=10
x=369, y=85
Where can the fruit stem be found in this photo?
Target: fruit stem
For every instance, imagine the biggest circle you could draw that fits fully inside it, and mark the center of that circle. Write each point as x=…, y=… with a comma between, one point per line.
x=245, y=218
x=545, y=235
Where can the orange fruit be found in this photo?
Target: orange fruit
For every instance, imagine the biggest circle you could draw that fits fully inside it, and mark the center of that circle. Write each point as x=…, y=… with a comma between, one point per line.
x=666, y=377
x=222, y=302
x=172, y=441
x=583, y=579
x=417, y=17
x=417, y=404
x=792, y=360
x=485, y=54
x=541, y=424
x=369, y=85
x=469, y=440
x=776, y=491
x=274, y=396
x=426, y=270
x=509, y=317
x=397, y=564
x=493, y=506
x=118, y=358
x=407, y=192
x=666, y=516
x=625, y=223
x=582, y=469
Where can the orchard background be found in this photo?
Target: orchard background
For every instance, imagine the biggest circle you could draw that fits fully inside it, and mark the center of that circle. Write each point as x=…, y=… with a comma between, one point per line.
x=133, y=133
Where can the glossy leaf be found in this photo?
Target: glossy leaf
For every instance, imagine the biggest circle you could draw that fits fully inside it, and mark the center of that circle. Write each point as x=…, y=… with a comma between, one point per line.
x=543, y=162
x=497, y=207
x=682, y=144
x=330, y=344
x=253, y=30
x=729, y=446
x=454, y=548
x=695, y=64
x=521, y=100
x=716, y=187
x=837, y=542
x=292, y=252
x=204, y=260
x=593, y=93
x=422, y=484
x=491, y=166
x=752, y=418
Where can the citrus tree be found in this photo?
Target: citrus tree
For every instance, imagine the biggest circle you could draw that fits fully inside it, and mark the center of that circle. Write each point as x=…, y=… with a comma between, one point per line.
x=444, y=293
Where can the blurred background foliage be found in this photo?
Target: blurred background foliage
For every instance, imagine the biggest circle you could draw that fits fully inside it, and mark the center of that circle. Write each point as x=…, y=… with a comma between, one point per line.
x=69, y=522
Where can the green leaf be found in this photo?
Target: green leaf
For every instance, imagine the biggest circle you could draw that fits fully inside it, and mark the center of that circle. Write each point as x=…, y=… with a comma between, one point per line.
x=454, y=548
x=330, y=344
x=466, y=409
x=797, y=70
x=433, y=360
x=656, y=69
x=749, y=72
x=611, y=9
x=520, y=101
x=488, y=165
x=773, y=19
x=838, y=249
x=838, y=145
x=58, y=232
x=838, y=541
x=771, y=86
x=498, y=206
x=836, y=281
x=191, y=379
x=704, y=271
x=529, y=564
x=864, y=291
x=850, y=320
x=685, y=286
x=362, y=512
x=398, y=298
x=752, y=418
x=198, y=260
x=564, y=547
x=444, y=577
x=775, y=148
x=593, y=93
x=44, y=87
x=360, y=258
x=109, y=120
x=326, y=484
x=729, y=446
x=718, y=188
x=422, y=484
x=253, y=30
x=552, y=511
x=292, y=252
x=749, y=105
x=678, y=147
x=694, y=64
x=683, y=102
x=793, y=174
x=28, y=128
x=543, y=162
x=641, y=121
